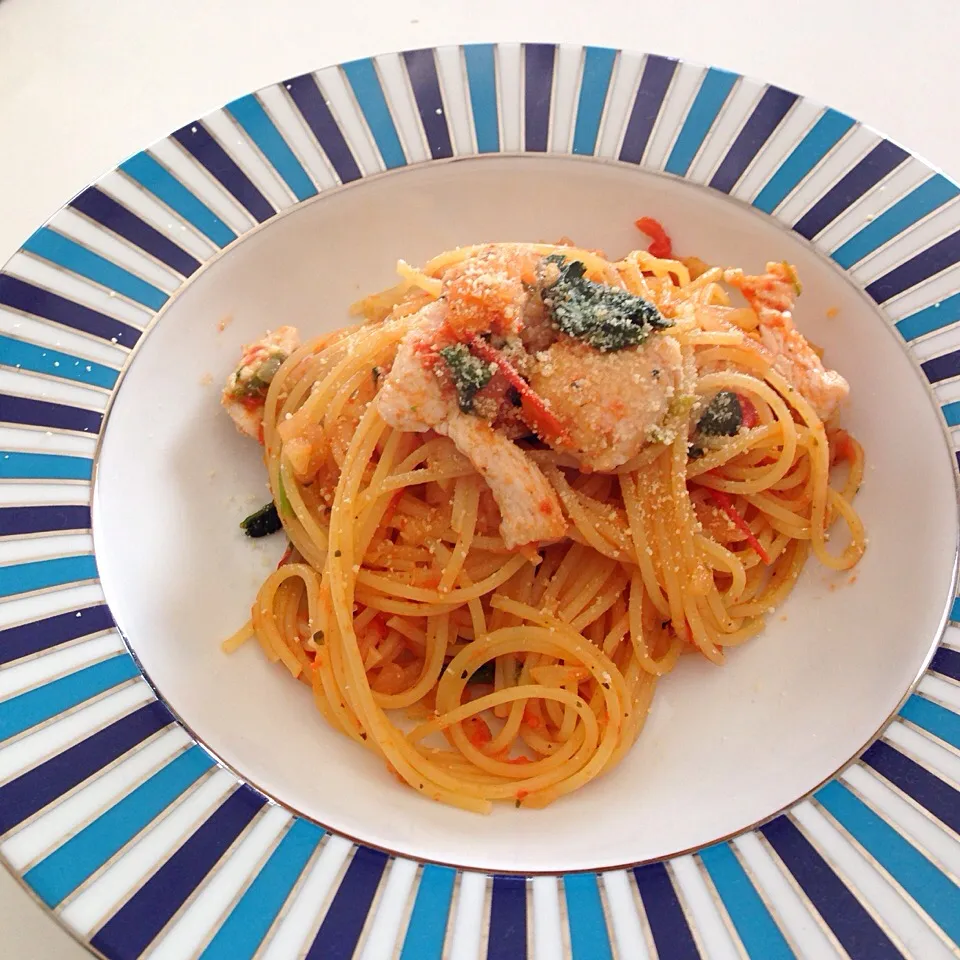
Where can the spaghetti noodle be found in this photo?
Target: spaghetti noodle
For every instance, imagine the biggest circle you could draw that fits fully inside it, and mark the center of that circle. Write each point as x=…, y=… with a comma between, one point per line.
x=521, y=487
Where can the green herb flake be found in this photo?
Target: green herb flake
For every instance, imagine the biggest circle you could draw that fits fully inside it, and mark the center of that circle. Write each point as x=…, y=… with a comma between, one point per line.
x=723, y=416
x=602, y=316
x=283, y=501
x=469, y=374
x=263, y=522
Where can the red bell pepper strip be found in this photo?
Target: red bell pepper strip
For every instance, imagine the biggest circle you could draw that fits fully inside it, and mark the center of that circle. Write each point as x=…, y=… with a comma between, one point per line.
x=661, y=245
x=535, y=408
x=748, y=412
x=726, y=505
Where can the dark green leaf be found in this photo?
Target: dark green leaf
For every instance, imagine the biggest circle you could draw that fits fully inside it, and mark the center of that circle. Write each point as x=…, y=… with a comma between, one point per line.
x=723, y=416
x=265, y=521
x=469, y=374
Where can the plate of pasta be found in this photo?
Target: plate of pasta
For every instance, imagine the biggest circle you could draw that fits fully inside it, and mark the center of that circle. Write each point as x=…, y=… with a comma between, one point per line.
x=523, y=509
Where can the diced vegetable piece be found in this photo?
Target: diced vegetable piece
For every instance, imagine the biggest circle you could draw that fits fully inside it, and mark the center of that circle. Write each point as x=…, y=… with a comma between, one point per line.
x=723, y=501
x=723, y=416
x=600, y=315
x=263, y=522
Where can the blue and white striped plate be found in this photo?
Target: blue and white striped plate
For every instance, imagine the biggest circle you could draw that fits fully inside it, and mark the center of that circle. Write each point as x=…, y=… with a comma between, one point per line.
x=130, y=831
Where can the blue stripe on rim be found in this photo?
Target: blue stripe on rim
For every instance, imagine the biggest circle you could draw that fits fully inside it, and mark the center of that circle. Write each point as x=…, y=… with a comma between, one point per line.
x=933, y=718
x=825, y=134
x=714, y=89
x=507, y=939
x=933, y=890
x=657, y=74
x=955, y=610
x=341, y=928
x=27, y=298
x=768, y=114
x=942, y=368
x=428, y=921
x=131, y=929
x=29, y=793
x=422, y=71
x=308, y=99
x=923, y=200
x=31, y=637
x=63, y=870
x=146, y=171
x=103, y=209
x=46, y=518
x=671, y=932
x=67, y=253
x=882, y=160
x=756, y=928
x=945, y=253
x=250, y=114
x=363, y=79
x=951, y=413
x=589, y=939
x=19, y=465
x=932, y=793
x=945, y=661
x=594, y=84
x=856, y=930
x=198, y=141
x=28, y=709
x=482, y=80
x=43, y=413
x=250, y=920
x=935, y=317
x=538, y=60
x=52, y=363
x=17, y=578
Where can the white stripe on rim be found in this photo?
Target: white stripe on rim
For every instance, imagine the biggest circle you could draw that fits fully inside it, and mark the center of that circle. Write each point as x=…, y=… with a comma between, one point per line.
x=620, y=96
x=798, y=920
x=683, y=89
x=628, y=929
x=220, y=888
x=23, y=549
x=102, y=897
x=383, y=928
x=294, y=130
x=47, y=441
x=403, y=109
x=37, y=670
x=85, y=346
x=467, y=922
x=547, y=927
x=795, y=126
x=43, y=835
x=707, y=923
x=939, y=845
x=733, y=114
x=232, y=137
x=947, y=693
x=944, y=762
x=898, y=919
x=339, y=98
x=74, y=287
x=452, y=74
x=94, y=237
x=943, y=285
x=55, y=601
x=567, y=70
x=27, y=752
x=850, y=151
x=148, y=208
x=509, y=58
x=202, y=184
x=291, y=938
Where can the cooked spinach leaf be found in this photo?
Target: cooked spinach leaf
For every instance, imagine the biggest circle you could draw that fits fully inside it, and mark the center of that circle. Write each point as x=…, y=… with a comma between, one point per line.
x=263, y=522
x=469, y=373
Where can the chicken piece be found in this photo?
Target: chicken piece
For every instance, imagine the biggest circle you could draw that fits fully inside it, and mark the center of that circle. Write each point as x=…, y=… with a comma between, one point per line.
x=413, y=398
x=771, y=295
x=246, y=388
x=610, y=402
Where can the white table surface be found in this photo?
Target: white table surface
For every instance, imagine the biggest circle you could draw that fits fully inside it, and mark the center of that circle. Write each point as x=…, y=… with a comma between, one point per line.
x=85, y=84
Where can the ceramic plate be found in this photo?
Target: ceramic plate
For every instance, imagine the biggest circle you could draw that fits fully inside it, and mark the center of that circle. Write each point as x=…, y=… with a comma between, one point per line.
x=164, y=799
